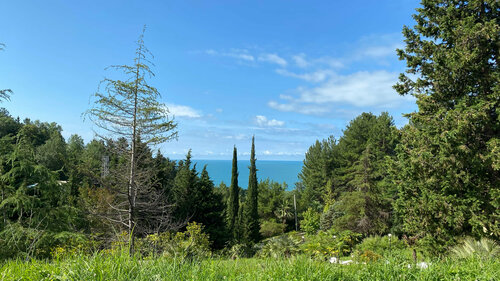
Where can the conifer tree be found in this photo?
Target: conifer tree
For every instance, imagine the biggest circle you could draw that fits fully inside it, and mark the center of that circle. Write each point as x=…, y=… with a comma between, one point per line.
x=130, y=109
x=447, y=172
x=36, y=209
x=239, y=225
x=210, y=209
x=185, y=192
x=252, y=226
x=234, y=197
x=319, y=164
x=4, y=94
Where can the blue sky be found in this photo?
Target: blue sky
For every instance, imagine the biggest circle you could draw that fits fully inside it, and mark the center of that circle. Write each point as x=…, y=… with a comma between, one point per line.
x=288, y=72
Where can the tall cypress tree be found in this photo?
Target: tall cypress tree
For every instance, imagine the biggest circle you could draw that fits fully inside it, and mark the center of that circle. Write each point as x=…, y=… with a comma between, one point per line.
x=234, y=197
x=252, y=214
x=447, y=172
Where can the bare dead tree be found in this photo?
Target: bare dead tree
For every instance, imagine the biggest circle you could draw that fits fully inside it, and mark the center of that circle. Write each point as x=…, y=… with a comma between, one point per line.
x=130, y=109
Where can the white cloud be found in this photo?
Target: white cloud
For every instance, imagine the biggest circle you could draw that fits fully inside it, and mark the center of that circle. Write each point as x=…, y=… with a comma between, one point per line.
x=286, y=97
x=300, y=60
x=380, y=51
x=378, y=46
x=360, y=89
x=281, y=153
x=273, y=58
x=211, y=52
x=234, y=53
x=237, y=137
x=329, y=61
x=316, y=76
x=183, y=111
x=299, y=108
x=262, y=121
x=241, y=56
x=219, y=110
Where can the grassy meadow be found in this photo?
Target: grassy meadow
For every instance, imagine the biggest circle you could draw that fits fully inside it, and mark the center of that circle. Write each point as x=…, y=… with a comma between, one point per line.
x=120, y=266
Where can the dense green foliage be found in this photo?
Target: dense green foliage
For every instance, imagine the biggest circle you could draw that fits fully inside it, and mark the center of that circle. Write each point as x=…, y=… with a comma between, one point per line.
x=348, y=179
x=447, y=170
x=196, y=200
x=36, y=204
x=54, y=193
x=383, y=246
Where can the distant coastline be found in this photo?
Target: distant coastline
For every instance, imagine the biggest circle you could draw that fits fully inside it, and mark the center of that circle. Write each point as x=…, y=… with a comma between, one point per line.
x=276, y=170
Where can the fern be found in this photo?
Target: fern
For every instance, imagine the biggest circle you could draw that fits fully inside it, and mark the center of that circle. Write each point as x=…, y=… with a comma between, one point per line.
x=484, y=248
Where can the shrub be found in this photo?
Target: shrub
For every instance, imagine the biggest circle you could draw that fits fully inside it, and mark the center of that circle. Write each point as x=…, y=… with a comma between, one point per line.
x=369, y=256
x=311, y=221
x=18, y=241
x=184, y=245
x=70, y=244
x=240, y=251
x=484, y=249
x=330, y=243
x=189, y=244
x=279, y=246
x=380, y=245
x=328, y=217
x=270, y=228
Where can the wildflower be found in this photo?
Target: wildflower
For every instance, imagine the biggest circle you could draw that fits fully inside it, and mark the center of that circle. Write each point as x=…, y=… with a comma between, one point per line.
x=423, y=265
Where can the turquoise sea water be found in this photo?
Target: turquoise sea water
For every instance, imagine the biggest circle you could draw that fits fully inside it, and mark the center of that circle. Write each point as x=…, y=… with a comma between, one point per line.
x=279, y=171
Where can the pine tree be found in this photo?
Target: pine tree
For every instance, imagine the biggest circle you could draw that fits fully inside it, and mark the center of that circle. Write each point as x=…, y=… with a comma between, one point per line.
x=252, y=226
x=4, y=94
x=234, y=197
x=319, y=163
x=447, y=171
x=130, y=109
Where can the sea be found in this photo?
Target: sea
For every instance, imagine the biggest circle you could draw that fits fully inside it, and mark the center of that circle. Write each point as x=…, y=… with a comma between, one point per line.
x=278, y=171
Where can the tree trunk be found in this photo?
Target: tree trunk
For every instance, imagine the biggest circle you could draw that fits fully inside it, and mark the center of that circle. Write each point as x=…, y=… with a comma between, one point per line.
x=132, y=192
x=131, y=199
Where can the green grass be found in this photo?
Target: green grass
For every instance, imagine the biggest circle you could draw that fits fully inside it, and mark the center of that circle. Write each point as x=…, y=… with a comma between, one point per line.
x=122, y=267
